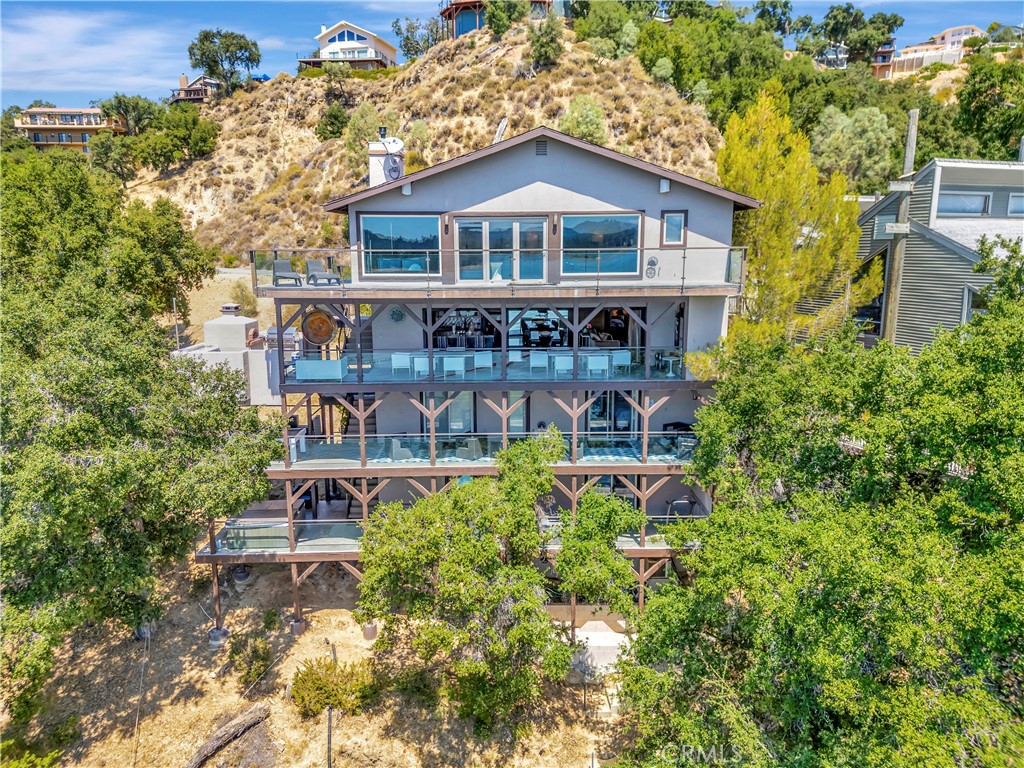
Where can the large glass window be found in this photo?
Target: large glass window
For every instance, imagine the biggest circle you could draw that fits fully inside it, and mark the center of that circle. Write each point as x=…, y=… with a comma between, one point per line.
x=974, y=303
x=501, y=249
x=401, y=245
x=457, y=418
x=600, y=243
x=1016, y=205
x=964, y=203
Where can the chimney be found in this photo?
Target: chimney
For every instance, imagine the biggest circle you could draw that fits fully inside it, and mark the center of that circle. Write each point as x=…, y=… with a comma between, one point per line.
x=323, y=28
x=182, y=81
x=387, y=158
x=230, y=310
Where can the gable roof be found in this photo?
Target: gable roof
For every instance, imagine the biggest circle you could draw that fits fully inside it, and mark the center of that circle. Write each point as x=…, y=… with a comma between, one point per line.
x=739, y=201
x=349, y=25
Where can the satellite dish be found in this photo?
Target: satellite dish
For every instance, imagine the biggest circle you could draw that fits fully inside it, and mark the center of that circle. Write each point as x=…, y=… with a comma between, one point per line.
x=319, y=327
x=393, y=167
x=393, y=145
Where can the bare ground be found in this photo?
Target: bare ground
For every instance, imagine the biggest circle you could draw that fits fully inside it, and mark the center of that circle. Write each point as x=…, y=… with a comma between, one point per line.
x=154, y=705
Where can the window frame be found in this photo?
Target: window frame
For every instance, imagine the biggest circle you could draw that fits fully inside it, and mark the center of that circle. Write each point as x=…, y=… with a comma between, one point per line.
x=485, y=248
x=1009, y=202
x=364, y=272
x=665, y=242
x=987, y=194
x=640, y=217
x=966, y=311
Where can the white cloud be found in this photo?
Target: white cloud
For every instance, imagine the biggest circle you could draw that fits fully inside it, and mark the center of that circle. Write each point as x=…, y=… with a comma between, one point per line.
x=89, y=52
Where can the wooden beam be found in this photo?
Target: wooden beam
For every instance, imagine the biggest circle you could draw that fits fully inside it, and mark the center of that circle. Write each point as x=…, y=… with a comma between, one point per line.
x=308, y=572
x=351, y=569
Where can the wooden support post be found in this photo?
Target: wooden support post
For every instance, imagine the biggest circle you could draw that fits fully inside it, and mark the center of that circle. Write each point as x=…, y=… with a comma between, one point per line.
x=218, y=618
x=900, y=239
x=297, y=613
x=290, y=513
x=643, y=582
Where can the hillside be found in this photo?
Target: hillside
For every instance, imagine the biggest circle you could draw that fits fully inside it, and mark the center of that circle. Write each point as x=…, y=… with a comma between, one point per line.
x=263, y=185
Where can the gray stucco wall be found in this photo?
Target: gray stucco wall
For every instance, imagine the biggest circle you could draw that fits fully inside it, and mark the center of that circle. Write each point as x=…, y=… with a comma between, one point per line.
x=571, y=180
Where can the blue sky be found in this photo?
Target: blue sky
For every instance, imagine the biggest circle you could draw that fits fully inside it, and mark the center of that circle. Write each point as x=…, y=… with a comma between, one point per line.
x=72, y=53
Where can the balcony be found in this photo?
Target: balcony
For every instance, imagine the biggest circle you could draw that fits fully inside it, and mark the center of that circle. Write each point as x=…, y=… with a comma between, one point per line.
x=543, y=272
x=453, y=453
x=516, y=364
x=239, y=539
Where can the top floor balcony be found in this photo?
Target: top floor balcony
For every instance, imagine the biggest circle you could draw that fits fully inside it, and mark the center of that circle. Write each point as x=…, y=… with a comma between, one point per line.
x=462, y=272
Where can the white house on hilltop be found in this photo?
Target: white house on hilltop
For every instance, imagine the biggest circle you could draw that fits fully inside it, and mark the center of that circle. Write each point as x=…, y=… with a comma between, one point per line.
x=358, y=47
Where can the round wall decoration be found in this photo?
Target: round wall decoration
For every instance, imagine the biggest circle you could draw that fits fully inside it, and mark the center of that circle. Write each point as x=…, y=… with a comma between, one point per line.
x=397, y=315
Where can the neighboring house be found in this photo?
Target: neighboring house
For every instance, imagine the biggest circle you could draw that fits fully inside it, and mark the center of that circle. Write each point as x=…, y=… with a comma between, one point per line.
x=836, y=56
x=357, y=47
x=953, y=203
x=197, y=91
x=464, y=16
x=882, y=60
x=48, y=127
x=954, y=36
x=944, y=48
x=540, y=281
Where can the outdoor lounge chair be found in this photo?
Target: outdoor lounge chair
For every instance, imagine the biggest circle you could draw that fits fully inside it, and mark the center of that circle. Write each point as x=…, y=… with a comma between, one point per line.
x=471, y=451
x=283, y=273
x=317, y=274
x=398, y=451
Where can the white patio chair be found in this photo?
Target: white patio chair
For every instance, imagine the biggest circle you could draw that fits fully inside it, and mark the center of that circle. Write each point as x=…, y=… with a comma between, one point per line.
x=483, y=359
x=401, y=361
x=621, y=359
x=455, y=365
x=538, y=360
x=563, y=365
x=597, y=366
x=421, y=367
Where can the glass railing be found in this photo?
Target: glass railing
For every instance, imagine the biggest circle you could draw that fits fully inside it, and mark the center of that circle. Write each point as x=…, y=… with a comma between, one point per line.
x=236, y=536
x=533, y=363
x=448, y=447
x=430, y=269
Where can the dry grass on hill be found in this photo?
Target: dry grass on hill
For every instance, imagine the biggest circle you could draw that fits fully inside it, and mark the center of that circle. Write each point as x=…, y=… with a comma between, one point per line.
x=189, y=691
x=264, y=184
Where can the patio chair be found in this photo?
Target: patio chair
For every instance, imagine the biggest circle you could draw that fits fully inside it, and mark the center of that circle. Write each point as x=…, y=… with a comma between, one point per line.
x=538, y=360
x=471, y=451
x=283, y=273
x=597, y=366
x=398, y=453
x=401, y=361
x=563, y=365
x=483, y=359
x=317, y=274
x=621, y=359
x=421, y=367
x=455, y=365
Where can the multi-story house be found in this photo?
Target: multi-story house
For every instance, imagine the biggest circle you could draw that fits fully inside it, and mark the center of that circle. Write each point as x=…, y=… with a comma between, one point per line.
x=48, y=127
x=929, y=260
x=540, y=281
x=358, y=47
x=883, y=59
x=464, y=16
x=199, y=90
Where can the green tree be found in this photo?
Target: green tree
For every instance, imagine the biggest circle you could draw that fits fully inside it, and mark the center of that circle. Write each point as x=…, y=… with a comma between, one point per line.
x=589, y=563
x=776, y=14
x=846, y=23
x=663, y=70
x=1003, y=258
x=991, y=105
x=584, y=119
x=10, y=137
x=332, y=124
x=363, y=123
x=603, y=20
x=416, y=36
x=452, y=577
x=854, y=592
x=191, y=134
x=137, y=113
x=114, y=456
x=546, y=42
x=115, y=155
x=857, y=146
x=501, y=14
x=802, y=241
x=223, y=56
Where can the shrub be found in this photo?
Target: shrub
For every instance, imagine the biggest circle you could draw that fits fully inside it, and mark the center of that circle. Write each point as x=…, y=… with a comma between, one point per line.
x=332, y=125
x=272, y=617
x=230, y=261
x=322, y=682
x=585, y=120
x=251, y=653
x=546, y=41
x=242, y=295
x=311, y=72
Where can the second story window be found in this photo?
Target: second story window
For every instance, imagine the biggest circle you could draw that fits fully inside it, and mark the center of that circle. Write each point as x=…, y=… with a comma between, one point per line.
x=964, y=204
x=401, y=245
x=501, y=249
x=1015, y=207
x=600, y=244
x=673, y=228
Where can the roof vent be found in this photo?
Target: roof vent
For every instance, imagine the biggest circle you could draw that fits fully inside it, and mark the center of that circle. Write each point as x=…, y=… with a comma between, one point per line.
x=230, y=310
x=541, y=146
